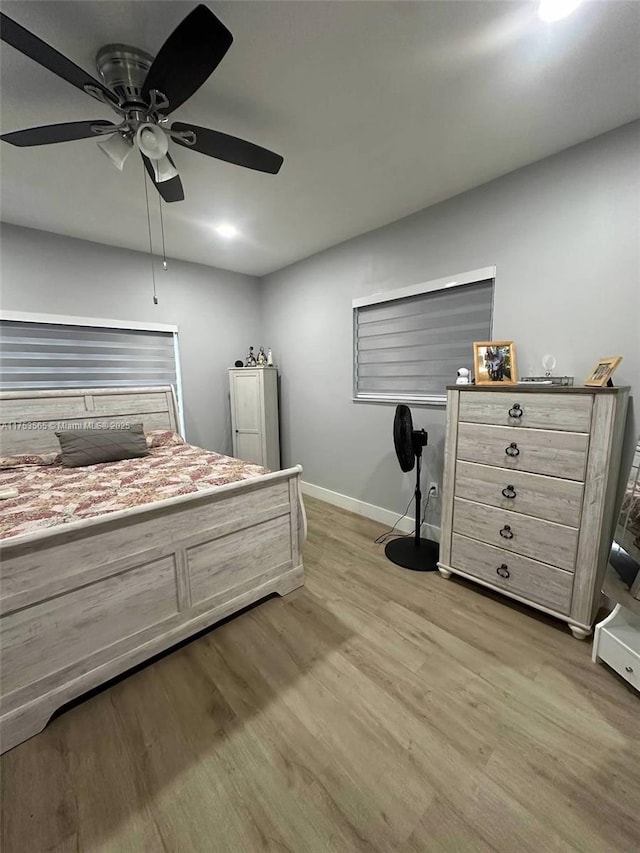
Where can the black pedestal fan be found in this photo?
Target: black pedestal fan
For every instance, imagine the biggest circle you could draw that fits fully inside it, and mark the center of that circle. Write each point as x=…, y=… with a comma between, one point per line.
x=411, y=552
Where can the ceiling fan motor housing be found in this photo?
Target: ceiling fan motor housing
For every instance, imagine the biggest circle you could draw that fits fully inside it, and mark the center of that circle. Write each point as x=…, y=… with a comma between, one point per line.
x=123, y=69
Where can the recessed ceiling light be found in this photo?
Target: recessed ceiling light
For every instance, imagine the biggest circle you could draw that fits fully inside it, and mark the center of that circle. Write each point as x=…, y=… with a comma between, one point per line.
x=226, y=230
x=554, y=10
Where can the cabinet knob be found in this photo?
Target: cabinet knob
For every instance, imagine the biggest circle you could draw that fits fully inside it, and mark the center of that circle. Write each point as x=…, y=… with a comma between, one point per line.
x=516, y=411
x=503, y=571
x=509, y=492
x=506, y=532
x=512, y=450
x=628, y=669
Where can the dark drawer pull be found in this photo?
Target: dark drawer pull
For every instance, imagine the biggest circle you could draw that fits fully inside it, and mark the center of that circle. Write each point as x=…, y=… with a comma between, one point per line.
x=506, y=532
x=516, y=411
x=628, y=669
x=509, y=492
x=512, y=450
x=503, y=571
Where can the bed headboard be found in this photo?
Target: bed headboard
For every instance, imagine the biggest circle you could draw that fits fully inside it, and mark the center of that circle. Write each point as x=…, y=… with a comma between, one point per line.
x=29, y=419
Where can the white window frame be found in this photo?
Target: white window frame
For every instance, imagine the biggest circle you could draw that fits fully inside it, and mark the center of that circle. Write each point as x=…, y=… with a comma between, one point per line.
x=459, y=280
x=102, y=323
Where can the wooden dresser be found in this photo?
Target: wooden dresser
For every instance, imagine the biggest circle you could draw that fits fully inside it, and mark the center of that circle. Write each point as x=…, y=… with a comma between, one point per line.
x=529, y=492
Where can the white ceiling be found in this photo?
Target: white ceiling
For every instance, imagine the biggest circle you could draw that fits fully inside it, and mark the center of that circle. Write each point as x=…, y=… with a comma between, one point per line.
x=379, y=109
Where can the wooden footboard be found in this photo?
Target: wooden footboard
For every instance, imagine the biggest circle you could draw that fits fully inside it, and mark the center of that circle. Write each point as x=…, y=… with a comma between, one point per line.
x=84, y=602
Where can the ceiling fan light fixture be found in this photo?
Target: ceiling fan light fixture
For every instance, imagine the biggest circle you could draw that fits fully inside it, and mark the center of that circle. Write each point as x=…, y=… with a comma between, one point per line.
x=226, y=230
x=555, y=10
x=152, y=141
x=117, y=149
x=163, y=170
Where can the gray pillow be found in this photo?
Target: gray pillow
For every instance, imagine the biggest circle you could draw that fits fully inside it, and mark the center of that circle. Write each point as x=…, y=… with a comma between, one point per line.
x=91, y=446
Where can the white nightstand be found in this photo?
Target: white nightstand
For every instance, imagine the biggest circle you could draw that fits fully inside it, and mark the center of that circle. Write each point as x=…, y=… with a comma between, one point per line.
x=617, y=642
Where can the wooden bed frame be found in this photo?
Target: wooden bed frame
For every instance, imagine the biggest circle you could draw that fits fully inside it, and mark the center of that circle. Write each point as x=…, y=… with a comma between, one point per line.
x=85, y=601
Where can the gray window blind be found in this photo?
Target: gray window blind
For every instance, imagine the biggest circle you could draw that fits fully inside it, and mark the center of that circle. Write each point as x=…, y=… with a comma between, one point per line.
x=47, y=355
x=410, y=348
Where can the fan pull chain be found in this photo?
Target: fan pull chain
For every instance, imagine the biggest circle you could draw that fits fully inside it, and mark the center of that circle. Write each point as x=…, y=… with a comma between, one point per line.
x=164, y=251
x=153, y=272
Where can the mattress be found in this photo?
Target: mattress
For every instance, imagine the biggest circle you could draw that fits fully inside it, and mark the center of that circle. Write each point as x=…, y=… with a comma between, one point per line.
x=50, y=495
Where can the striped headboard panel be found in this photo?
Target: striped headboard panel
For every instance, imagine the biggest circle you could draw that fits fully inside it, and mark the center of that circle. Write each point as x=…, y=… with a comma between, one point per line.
x=29, y=419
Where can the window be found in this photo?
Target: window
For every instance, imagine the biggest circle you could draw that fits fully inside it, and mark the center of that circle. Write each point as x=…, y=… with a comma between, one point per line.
x=409, y=343
x=76, y=352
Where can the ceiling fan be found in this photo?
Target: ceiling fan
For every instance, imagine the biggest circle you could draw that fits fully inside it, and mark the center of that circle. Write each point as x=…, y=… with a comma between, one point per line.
x=143, y=91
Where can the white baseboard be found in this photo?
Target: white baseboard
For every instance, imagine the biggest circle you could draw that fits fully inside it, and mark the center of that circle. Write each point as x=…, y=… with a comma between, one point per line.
x=377, y=513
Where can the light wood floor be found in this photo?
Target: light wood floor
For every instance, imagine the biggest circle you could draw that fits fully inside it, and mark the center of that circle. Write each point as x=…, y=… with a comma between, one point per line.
x=373, y=710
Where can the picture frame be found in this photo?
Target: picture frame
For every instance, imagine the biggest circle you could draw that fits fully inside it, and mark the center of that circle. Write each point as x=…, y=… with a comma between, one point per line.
x=601, y=373
x=495, y=362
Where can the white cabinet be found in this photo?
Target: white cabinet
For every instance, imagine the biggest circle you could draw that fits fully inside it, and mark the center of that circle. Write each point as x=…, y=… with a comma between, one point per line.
x=529, y=491
x=617, y=643
x=254, y=415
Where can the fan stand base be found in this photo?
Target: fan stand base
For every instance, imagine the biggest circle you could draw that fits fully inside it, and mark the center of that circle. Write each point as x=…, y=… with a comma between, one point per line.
x=417, y=558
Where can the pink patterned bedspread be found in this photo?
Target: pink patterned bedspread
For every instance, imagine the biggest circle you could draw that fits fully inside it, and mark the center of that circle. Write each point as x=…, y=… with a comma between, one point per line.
x=50, y=495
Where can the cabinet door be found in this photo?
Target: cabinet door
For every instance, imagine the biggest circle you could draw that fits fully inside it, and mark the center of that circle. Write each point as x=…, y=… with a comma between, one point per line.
x=247, y=417
x=249, y=447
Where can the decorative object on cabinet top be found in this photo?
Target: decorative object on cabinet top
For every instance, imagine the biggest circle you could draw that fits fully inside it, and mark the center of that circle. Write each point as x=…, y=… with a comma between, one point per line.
x=495, y=362
x=549, y=363
x=263, y=359
x=463, y=376
x=601, y=373
x=564, y=381
x=243, y=366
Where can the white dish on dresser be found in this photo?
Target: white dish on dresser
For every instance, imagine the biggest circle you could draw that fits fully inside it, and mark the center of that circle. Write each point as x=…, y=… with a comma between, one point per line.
x=529, y=492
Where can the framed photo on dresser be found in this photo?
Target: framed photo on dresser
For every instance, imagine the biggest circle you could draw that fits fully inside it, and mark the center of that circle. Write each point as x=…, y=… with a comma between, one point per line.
x=495, y=361
x=601, y=373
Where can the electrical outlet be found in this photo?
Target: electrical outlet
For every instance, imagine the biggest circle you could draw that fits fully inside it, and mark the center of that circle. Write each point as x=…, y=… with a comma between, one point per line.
x=433, y=490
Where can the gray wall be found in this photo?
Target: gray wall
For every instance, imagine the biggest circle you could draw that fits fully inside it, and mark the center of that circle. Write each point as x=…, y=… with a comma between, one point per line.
x=564, y=236
x=217, y=312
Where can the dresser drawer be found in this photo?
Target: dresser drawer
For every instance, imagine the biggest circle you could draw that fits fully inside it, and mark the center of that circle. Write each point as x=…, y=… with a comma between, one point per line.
x=539, y=451
x=620, y=657
x=512, y=573
x=533, y=494
x=531, y=537
x=540, y=411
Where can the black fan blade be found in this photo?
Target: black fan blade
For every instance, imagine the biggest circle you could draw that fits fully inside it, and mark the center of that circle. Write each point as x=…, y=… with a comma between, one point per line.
x=230, y=148
x=403, y=437
x=47, y=56
x=192, y=51
x=169, y=190
x=51, y=133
